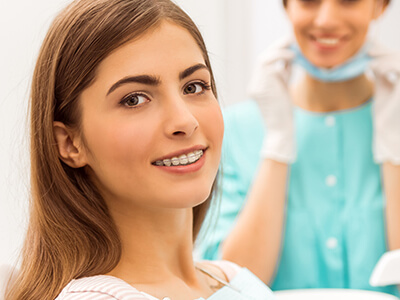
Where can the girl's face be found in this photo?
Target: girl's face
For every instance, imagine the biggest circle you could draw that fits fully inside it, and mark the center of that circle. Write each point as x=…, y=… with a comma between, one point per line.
x=331, y=31
x=152, y=126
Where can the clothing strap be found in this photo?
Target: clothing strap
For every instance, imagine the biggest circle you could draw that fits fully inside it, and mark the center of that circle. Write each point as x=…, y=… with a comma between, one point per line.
x=229, y=269
x=220, y=280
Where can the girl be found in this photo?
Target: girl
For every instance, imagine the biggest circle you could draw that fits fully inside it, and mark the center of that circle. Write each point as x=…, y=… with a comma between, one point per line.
x=324, y=203
x=126, y=136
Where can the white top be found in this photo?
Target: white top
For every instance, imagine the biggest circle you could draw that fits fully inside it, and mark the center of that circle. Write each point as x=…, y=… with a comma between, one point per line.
x=105, y=287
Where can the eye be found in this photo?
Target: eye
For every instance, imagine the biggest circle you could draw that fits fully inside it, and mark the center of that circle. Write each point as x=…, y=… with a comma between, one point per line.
x=134, y=100
x=196, y=88
x=193, y=88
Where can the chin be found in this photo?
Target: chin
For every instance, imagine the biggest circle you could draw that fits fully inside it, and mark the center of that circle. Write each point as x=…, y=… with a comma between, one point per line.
x=200, y=198
x=327, y=63
x=189, y=197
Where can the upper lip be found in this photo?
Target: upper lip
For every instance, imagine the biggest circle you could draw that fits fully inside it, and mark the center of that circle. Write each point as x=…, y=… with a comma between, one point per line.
x=326, y=36
x=182, y=151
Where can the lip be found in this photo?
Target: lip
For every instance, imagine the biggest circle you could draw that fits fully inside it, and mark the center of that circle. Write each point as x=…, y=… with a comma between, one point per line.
x=326, y=47
x=180, y=152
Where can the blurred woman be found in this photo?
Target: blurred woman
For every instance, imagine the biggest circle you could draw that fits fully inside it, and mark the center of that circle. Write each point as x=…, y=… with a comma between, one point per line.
x=318, y=158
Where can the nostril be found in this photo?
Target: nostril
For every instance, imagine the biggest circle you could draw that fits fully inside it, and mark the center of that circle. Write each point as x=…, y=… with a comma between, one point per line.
x=183, y=129
x=177, y=133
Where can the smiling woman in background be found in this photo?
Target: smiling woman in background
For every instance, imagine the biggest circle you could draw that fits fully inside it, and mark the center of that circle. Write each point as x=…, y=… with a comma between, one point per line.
x=126, y=136
x=317, y=159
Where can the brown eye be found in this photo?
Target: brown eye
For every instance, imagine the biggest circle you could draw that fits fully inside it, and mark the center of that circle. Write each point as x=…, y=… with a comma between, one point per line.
x=133, y=100
x=193, y=88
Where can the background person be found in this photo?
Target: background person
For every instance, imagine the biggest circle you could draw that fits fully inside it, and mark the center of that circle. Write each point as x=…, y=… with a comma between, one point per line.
x=312, y=167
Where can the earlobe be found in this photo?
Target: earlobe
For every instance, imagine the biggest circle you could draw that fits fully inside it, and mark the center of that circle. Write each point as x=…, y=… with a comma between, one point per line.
x=69, y=149
x=380, y=7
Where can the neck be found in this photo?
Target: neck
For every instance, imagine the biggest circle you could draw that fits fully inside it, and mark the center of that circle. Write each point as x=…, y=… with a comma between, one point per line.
x=156, y=246
x=318, y=96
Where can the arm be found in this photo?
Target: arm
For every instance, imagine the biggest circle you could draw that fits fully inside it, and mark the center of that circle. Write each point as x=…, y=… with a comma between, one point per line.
x=256, y=237
x=391, y=182
x=386, y=68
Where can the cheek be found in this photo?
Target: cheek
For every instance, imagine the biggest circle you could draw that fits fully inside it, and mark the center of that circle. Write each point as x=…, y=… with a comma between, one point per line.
x=213, y=125
x=119, y=154
x=363, y=26
x=301, y=34
x=117, y=143
x=299, y=19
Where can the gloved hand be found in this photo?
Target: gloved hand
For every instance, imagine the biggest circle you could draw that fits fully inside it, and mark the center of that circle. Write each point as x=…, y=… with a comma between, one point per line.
x=269, y=87
x=386, y=107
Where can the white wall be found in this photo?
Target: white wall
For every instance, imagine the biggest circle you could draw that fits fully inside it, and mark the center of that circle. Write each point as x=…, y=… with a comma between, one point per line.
x=235, y=32
x=225, y=26
x=22, y=27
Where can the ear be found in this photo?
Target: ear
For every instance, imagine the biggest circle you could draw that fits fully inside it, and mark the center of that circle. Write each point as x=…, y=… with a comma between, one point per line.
x=380, y=8
x=69, y=146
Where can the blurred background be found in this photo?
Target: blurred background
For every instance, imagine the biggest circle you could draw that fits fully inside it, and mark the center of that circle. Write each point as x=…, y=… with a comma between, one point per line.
x=235, y=31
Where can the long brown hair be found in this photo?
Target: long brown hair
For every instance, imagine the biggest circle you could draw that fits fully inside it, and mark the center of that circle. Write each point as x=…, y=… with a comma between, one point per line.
x=71, y=233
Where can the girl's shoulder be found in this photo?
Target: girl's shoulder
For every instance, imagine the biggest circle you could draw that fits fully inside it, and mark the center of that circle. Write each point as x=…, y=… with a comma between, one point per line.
x=101, y=287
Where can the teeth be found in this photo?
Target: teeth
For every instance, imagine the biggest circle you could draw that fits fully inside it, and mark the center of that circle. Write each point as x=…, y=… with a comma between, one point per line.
x=175, y=161
x=328, y=41
x=159, y=163
x=166, y=162
x=191, y=157
x=184, y=159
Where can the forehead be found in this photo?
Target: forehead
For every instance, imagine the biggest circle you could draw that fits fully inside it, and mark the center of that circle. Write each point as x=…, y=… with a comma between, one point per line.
x=168, y=46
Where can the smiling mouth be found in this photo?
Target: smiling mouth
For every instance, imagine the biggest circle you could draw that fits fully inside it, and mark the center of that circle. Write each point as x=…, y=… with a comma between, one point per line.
x=326, y=41
x=181, y=160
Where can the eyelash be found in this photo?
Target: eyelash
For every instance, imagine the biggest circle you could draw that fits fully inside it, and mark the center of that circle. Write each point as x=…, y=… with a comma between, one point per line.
x=205, y=86
x=125, y=99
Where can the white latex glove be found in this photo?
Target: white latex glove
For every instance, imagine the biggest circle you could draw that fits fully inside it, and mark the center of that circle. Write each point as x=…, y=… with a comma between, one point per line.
x=269, y=87
x=386, y=107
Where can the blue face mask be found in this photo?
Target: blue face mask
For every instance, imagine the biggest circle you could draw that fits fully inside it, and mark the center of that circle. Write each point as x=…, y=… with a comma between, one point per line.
x=352, y=68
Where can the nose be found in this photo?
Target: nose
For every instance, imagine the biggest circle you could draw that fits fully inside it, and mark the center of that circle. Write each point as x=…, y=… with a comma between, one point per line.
x=328, y=15
x=179, y=120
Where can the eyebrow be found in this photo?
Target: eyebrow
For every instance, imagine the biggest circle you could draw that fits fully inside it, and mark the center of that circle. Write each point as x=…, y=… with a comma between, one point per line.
x=143, y=79
x=189, y=71
x=153, y=80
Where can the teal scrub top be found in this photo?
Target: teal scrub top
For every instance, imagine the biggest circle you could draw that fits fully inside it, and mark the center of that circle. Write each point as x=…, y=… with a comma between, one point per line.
x=335, y=225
